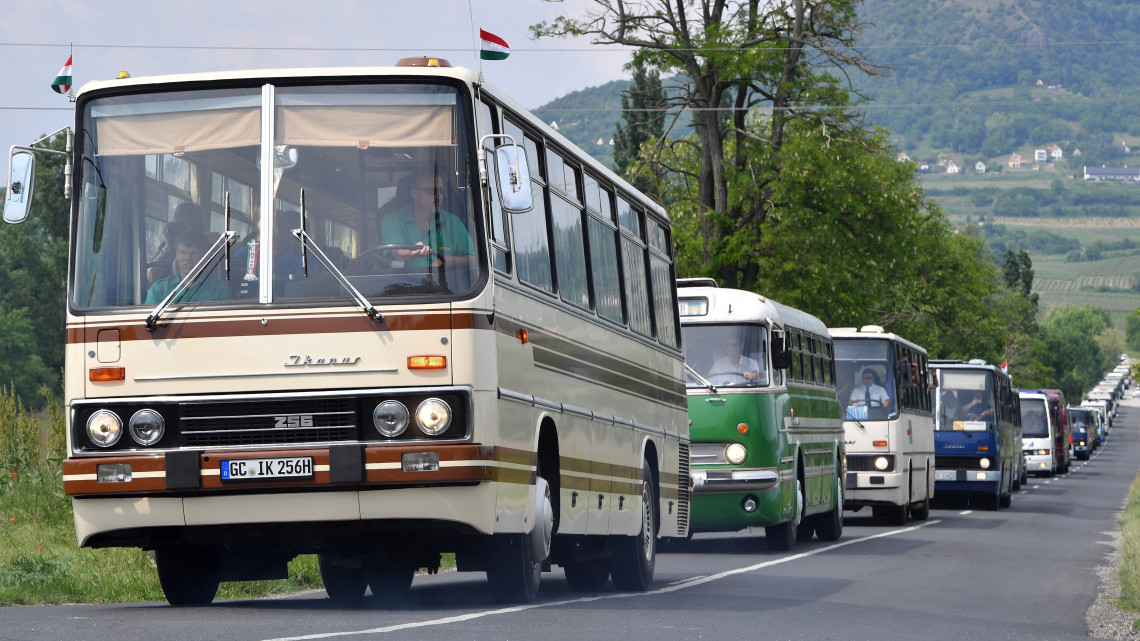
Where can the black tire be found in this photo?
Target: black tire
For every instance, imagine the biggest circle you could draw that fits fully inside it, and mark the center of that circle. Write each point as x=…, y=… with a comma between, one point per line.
x=1005, y=500
x=829, y=526
x=892, y=514
x=342, y=582
x=390, y=580
x=587, y=576
x=991, y=502
x=921, y=511
x=635, y=557
x=513, y=574
x=189, y=575
x=782, y=537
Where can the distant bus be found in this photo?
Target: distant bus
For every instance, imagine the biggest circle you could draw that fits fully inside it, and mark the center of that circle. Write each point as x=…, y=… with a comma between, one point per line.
x=767, y=439
x=887, y=406
x=1063, y=436
x=1038, y=429
x=423, y=323
x=977, y=439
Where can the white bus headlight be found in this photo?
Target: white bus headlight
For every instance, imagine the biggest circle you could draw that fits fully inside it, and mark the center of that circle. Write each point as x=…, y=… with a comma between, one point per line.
x=735, y=453
x=882, y=463
x=433, y=417
x=391, y=418
x=985, y=463
x=147, y=427
x=104, y=428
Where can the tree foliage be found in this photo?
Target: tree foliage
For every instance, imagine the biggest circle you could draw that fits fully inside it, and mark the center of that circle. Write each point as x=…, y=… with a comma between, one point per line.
x=641, y=106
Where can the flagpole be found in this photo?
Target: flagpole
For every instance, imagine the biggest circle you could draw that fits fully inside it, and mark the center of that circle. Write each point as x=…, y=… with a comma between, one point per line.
x=71, y=57
x=475, y=44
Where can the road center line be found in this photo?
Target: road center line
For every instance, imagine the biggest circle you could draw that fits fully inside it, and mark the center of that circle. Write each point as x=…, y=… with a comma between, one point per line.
x=622, y=595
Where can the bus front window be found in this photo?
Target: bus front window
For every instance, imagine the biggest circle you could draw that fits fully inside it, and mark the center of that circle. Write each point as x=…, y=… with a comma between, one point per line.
x=965, y=401
x=727, y=355
x=1033, y=418
x=865, y=379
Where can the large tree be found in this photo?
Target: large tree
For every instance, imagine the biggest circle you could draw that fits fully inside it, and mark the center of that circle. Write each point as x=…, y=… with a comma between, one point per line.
x=740, y=58
x=643, y=119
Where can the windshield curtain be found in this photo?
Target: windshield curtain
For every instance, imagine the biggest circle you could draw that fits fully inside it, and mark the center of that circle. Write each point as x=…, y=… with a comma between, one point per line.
x=865, y=379
x=727, y=355
x=1034, y=418
x=965, y=397
x=156, y=170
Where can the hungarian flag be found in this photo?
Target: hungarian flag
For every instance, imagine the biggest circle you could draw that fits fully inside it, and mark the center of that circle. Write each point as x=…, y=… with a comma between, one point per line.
x=62, y=82
x=492, y=47
x=1005, y=366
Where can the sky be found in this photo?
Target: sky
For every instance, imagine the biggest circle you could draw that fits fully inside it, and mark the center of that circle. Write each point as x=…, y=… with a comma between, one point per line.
x=159, y=37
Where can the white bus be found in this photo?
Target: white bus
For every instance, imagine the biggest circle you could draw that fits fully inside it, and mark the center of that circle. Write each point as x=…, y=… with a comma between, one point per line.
x=882, y=382
x=512, y=393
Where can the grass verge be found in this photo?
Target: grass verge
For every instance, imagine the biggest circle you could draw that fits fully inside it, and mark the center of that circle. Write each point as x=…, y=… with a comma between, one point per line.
x=1129, y=573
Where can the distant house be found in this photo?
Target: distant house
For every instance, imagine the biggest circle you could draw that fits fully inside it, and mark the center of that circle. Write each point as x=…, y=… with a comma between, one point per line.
x=600, y=141
x=1101, y=174
x=924, y=166
x=1014, y=161
x=554, y=125
x=1076, y=152
x=1056, y=154
x=952, y=168
x=611, y=141
x=1125, y=146
x=1040, y=82
x=1040, y=156
x=979, y=167
x=902, y=157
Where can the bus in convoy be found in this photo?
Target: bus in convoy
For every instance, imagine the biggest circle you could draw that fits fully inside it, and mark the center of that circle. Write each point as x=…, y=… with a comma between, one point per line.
x=1083, y=427
x=376, y=315
x=977, y=438
x=1038, y=430
x=885, y=400
x=767, y=440
x=1063, y=437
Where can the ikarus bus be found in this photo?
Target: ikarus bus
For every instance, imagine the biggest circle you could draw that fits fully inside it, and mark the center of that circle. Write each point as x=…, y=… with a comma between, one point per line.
x=883, y=389
x=767, y=445
x=374, y=314
x=977, y=438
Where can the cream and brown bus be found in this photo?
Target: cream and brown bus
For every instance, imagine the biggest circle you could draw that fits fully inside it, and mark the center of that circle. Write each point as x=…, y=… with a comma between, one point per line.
x=372, y=314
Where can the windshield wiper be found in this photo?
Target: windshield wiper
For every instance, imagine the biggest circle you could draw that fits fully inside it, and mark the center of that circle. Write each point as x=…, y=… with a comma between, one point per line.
x=310, y=245
x=704, y=382
x=183, y=285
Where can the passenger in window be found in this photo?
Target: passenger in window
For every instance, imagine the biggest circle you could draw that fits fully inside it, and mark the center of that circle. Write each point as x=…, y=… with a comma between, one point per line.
x=734, y=368
x=189, y=247
x=442, y=237
x=974, y=405
x=187, y=217
x=870, y=394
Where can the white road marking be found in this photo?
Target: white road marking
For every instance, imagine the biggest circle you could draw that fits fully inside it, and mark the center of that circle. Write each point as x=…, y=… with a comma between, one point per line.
x=965, y=512
x=681, y=585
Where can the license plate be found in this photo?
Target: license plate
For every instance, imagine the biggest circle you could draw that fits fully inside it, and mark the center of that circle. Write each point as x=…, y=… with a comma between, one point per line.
x=255, y=469
x=945, y=475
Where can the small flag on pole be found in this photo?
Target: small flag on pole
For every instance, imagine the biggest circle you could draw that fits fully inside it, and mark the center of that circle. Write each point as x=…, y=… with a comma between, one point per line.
x=492, y=47
x=1005, y=367
x=62, y=82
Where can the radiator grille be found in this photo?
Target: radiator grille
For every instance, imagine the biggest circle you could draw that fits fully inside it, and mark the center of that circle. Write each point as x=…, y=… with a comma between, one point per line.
x=957, y=462
x=268, y=422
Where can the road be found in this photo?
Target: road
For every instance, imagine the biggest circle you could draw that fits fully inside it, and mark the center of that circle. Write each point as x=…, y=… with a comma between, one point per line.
x=1027, y=572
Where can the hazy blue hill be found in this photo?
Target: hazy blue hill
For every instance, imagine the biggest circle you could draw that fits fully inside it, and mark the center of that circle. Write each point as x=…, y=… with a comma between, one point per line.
x=587, y=115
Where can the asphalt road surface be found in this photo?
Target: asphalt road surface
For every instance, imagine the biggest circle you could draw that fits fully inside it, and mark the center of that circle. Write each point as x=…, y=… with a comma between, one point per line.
x=1027, y=572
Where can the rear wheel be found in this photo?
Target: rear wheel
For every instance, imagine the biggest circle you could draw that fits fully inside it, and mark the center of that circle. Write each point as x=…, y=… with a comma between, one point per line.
x=343, y=579
x=921, y=511
x=390, y=580
x=892, y=514
x=636, y=556
x=782, y=537
x=189, y=575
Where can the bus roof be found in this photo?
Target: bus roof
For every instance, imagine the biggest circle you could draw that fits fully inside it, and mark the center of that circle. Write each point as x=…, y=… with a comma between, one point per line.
x=739, y=306
x=872, y=332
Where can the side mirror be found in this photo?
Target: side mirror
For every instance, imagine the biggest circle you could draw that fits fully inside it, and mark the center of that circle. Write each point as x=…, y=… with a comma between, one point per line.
x=513, y=179
x=21, y=177
x=781, y=357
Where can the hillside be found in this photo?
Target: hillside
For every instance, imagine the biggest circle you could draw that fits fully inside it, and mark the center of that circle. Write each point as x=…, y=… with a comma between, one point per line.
x=587, y=117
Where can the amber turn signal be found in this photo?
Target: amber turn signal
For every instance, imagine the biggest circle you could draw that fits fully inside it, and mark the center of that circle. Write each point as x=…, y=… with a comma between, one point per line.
x=427, y=362
x=107, y=373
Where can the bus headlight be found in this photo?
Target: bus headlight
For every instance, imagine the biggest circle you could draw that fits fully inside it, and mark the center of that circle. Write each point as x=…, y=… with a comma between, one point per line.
x=147, y=427
x=882, y=463
x=433, y=417
x=104, y=428
x=735, y=453
x=984, y=463
x=391, y=418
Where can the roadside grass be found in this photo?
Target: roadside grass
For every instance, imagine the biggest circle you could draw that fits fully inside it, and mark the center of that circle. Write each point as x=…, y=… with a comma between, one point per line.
x=1129, y=573
x=40, y=562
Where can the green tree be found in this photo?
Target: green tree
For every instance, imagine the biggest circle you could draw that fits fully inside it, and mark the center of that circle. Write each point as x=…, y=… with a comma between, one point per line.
x=33, y=266
x=1077, y=360
x=641, y=106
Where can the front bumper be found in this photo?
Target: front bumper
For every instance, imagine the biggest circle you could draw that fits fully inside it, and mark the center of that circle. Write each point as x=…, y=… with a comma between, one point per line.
x=720, y=481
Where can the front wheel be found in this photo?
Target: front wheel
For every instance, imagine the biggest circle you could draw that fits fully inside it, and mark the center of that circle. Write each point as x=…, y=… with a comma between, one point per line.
x=636, y=556
x=782, y=537
x=188, y=575
x=830, y=525
x=343, y=581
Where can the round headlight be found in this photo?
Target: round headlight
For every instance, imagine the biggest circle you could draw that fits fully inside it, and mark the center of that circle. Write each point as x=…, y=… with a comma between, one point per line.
x=882, y=463
x=391, y=418
x=735, y=453
x=147, y=427
x=985, y=463
x=433, y=417
x=104, y=428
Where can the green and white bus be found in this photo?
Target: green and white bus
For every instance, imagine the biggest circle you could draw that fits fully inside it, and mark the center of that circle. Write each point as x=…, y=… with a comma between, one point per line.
x=767, y=439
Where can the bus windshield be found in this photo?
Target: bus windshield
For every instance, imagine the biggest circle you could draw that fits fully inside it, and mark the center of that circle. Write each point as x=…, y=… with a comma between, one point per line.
x=380, y=170
x=1033, y=421
x=865, y=379
x=727, y=355
x=965, y=401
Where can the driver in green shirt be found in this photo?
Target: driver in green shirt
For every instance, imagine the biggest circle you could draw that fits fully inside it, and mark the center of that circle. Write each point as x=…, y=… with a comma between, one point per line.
x=442, y=236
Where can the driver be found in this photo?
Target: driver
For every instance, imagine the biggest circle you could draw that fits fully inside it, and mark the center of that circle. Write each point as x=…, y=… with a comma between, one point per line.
x=734, y=368
x=441, y=236
x=871, y=394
